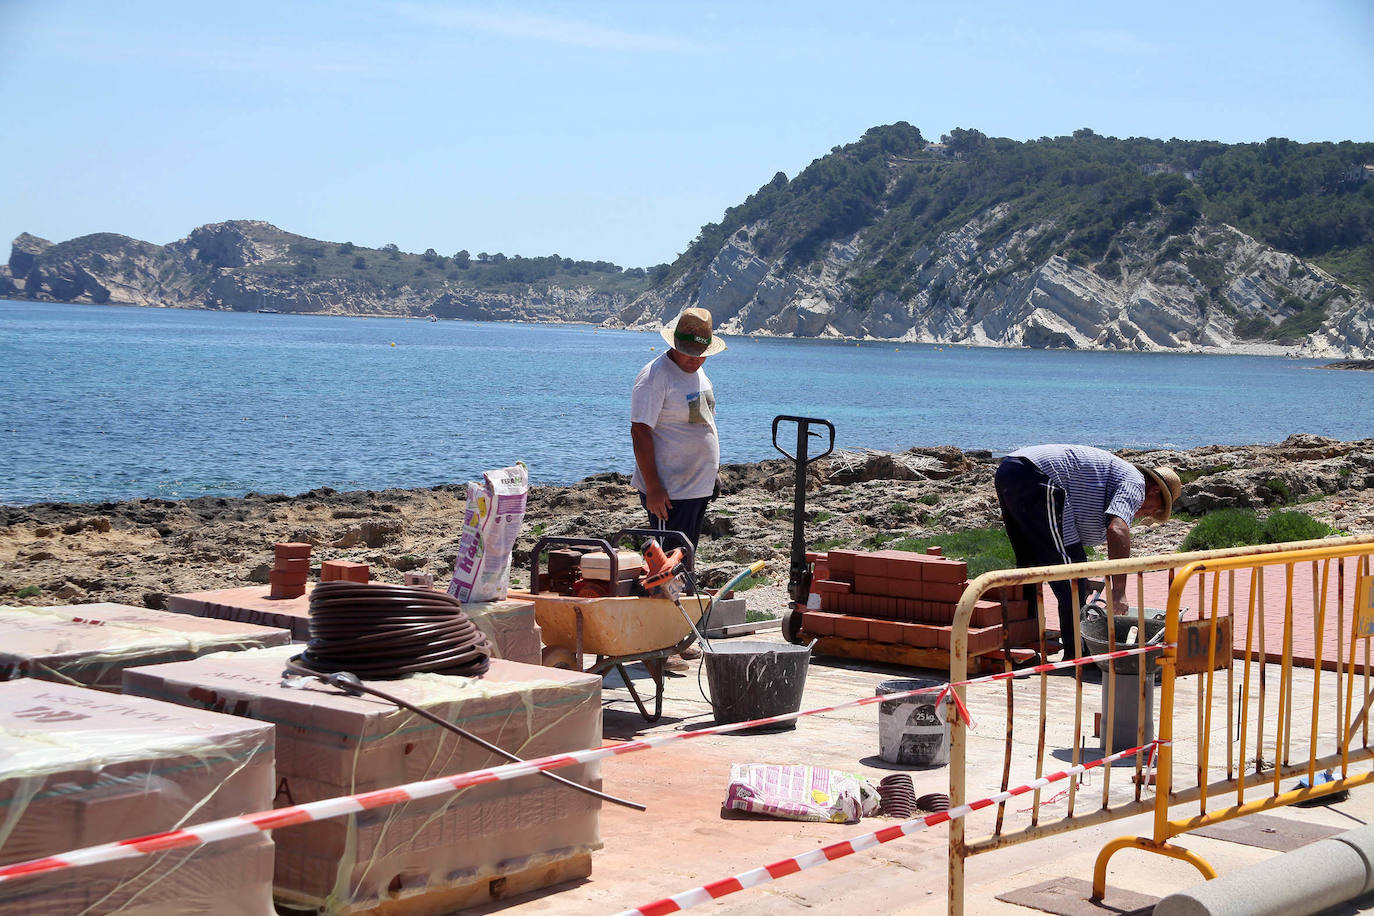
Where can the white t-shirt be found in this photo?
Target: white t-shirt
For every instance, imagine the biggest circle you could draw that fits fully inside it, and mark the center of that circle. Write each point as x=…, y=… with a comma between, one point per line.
x=681, y=409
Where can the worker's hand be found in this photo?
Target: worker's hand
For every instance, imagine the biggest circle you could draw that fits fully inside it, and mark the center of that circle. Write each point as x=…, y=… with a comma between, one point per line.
x=1120, y=606
x=656, y=498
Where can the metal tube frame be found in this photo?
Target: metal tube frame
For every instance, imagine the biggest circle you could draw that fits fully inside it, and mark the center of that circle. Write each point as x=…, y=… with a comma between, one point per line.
x=1190, y=565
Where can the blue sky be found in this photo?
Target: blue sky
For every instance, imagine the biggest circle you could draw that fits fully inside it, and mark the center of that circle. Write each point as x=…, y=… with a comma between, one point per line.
x=598, y=130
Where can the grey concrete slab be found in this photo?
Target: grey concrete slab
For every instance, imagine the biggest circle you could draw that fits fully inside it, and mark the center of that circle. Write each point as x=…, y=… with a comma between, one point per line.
x=1073, y=897
x=1280, y=834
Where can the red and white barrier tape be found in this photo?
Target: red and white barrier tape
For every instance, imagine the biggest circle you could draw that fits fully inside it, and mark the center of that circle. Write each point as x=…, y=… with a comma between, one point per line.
x=248, y=824
x=753, y=878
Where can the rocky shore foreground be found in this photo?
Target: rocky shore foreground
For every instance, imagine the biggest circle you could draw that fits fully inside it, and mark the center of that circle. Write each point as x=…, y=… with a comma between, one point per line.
x=140, y=551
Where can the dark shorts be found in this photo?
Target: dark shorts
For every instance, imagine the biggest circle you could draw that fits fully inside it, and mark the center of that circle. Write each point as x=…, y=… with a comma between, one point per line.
x=685, y=515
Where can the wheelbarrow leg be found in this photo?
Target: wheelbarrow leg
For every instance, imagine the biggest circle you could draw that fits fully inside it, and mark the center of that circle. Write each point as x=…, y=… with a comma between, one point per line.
x=630, y=686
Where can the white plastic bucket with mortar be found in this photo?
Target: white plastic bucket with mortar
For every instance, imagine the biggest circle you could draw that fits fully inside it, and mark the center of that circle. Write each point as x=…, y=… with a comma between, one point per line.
x=913, y=730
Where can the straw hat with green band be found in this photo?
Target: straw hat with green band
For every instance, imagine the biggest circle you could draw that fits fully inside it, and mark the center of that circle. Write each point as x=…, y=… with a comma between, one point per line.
x=691, y=334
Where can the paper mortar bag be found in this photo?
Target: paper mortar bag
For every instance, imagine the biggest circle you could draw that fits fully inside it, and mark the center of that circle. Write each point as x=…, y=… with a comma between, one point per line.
x=491, y=524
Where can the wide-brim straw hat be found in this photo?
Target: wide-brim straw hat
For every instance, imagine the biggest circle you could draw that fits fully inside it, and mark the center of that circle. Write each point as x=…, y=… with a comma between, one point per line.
x=691, y=334
x=1170, y=488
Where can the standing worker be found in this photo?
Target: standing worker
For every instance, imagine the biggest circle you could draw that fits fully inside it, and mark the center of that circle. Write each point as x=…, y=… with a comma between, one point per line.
x=1058, y=500
x=673, y=430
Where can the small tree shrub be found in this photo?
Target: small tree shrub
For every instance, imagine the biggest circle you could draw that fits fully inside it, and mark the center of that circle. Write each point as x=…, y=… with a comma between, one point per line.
x=1241, y=528
x=1224, y=528
x=1282, y=527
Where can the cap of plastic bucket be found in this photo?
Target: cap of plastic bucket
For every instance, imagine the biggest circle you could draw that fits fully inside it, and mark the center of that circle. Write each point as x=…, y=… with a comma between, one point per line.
x=754, y=680
x=913, y=731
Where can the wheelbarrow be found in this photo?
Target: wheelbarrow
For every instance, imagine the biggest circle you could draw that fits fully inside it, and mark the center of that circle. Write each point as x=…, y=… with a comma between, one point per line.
x=617, y=630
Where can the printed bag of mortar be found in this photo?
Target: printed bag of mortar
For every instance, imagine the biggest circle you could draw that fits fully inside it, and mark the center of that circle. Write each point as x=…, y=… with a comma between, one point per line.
x=491, y=523
x=801, y=793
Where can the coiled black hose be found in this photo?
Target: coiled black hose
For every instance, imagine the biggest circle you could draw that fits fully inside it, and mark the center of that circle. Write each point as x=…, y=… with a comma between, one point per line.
x=380, y=632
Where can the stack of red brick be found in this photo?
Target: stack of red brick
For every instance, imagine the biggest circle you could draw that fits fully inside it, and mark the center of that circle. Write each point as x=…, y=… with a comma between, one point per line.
x=290, y=570
x=906, y=598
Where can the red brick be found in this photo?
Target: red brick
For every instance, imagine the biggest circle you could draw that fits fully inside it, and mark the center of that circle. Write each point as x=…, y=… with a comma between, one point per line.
x=292, y=550
x=1024, y=632
x=819, y=623
x=906, y=608
x=935, y=551
x=904, y=588
x=883, y=612
x=852, y=627
x=296, y=566
x=920, y=635
x=286, y=590
x=1009, y=592
x=986, y=614
x=278, y=577
x=344, y=570
x=819, y=568
x=938, y=569
x=821, y=586
x=902, y=564
x=885, y=631
x=841, y=563
x=942, y=591
x=1018, y=610
x=943, y=636
x=984, y=639
x=870, y=585
x=869, y=564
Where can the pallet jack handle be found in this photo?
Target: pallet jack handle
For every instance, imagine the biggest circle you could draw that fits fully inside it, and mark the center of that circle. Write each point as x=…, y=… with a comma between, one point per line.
x=798, y=580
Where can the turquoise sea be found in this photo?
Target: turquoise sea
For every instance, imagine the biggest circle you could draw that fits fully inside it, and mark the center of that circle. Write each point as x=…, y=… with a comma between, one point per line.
x=110, y=402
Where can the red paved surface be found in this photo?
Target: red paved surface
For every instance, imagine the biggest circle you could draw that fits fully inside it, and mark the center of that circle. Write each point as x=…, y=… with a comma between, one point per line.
x=1272, y=599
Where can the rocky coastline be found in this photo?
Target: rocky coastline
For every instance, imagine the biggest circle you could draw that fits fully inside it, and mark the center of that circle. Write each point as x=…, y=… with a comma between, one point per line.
x=140, y=551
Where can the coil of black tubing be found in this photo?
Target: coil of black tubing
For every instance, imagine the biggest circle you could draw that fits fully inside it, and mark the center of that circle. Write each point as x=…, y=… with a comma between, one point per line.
x=382, y=632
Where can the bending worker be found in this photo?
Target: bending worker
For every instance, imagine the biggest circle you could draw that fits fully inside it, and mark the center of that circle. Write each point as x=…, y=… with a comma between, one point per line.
x=1058, y=500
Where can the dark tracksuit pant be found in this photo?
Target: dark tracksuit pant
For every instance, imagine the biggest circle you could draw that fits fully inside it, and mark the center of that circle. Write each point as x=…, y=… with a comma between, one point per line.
x=1033, y=512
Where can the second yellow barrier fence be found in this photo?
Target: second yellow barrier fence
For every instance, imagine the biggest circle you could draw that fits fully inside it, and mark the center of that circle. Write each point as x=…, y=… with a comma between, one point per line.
x=1244, y=727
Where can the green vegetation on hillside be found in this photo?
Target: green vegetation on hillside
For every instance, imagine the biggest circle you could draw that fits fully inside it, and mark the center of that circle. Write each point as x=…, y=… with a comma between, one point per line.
x=390, y=268
x=1315, y=200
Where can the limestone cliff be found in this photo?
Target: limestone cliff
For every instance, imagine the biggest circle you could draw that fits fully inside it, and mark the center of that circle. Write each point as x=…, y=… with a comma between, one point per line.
x=969, y=292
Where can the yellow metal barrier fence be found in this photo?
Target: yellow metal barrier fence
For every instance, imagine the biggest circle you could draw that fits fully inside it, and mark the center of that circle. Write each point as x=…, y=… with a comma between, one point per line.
x=1206, y=650
x=1336, y=741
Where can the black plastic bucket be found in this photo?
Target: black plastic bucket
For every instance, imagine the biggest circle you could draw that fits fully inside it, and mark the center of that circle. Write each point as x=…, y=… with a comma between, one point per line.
x=755, y=680
x=1093, y=628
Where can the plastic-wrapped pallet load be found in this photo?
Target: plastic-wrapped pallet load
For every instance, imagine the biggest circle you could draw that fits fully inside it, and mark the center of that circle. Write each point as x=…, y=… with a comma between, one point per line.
x=92, y=644
x=447, y=852
x=79, y=767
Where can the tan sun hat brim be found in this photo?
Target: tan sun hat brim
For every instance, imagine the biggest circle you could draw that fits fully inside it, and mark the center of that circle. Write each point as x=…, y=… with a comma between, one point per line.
x=1170, y=488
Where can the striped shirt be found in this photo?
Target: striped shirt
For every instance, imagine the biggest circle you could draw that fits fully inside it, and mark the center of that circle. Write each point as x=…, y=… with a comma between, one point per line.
x=1096, y=484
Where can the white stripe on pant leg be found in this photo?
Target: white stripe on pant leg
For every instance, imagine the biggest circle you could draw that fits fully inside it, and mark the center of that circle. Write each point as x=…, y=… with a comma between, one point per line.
x=1055, y=530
